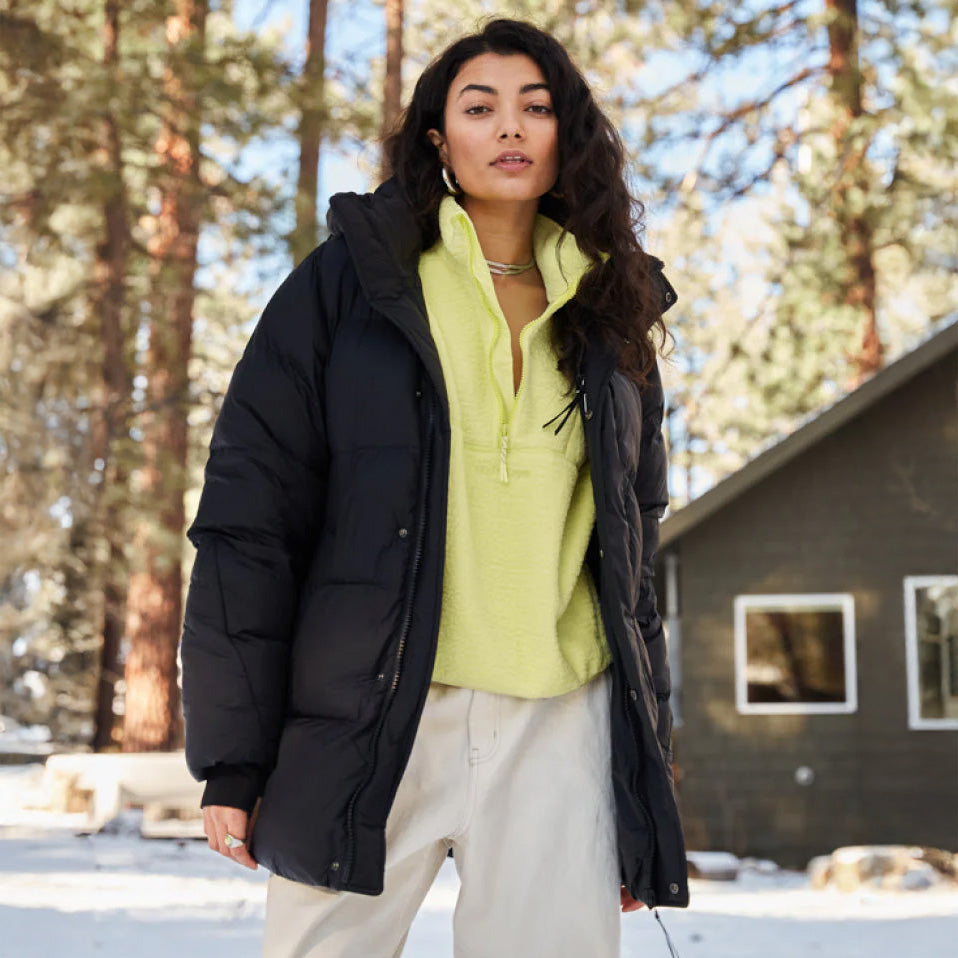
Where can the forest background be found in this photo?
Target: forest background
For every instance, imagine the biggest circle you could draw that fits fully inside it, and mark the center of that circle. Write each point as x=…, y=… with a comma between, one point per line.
x=163, y=165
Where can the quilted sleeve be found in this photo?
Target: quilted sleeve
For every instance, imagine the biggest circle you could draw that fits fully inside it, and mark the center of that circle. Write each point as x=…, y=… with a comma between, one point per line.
x=259, y=512
x=652, y=495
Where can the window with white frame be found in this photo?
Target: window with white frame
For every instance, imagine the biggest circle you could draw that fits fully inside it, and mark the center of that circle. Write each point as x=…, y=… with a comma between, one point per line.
x=931, y=643
x=795, y=653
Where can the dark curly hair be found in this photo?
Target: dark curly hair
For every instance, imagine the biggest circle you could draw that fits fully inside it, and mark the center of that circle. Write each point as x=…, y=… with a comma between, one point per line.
x=621, y=295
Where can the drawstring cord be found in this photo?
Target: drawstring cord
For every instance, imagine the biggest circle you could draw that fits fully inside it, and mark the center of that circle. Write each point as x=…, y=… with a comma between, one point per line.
x=570, y=406
x=568, y=412
x=673, y=951
x=579, y=391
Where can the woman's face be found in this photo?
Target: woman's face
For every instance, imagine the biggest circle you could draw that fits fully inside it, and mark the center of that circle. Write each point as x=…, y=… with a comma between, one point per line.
x=499, y=104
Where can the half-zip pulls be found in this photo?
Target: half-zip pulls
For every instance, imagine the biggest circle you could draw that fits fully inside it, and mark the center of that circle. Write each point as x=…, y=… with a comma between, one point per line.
x=569, y=409
x=503, y=454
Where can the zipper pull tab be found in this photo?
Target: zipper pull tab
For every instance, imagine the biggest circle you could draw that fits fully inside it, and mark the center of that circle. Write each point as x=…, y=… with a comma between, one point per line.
x=580, y=389
x=503, y=449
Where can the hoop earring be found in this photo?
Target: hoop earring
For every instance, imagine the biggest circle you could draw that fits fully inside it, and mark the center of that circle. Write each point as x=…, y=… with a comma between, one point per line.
x=450, y=188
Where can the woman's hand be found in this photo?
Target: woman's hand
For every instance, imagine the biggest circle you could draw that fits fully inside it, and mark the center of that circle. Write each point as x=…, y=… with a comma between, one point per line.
x=220, y=819
x=628, y=902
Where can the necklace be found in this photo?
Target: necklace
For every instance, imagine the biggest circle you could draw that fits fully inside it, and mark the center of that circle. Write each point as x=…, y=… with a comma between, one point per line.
x=509, y=269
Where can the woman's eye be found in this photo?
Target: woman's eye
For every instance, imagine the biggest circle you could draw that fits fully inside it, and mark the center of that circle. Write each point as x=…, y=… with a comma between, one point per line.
x=540, y=108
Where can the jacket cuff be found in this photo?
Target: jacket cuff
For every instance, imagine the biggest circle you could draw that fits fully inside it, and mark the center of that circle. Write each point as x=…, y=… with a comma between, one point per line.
x=236, y=786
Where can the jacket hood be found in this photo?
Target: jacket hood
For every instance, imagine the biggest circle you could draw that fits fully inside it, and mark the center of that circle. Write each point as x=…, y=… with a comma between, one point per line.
x=383, y=237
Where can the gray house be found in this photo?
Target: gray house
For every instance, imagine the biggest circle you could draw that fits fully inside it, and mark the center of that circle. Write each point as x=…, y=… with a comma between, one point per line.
x=811, y=606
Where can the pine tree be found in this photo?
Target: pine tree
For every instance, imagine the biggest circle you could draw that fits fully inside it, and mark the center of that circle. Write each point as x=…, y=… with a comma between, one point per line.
x=392, y=88
x=311, y=90
x=790, y=133
x=154, y=598
x=47, y=372
x=114, y=395
x=81, y=186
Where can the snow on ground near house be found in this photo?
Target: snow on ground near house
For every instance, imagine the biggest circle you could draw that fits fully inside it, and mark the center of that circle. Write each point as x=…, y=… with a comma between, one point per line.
x=113, y=895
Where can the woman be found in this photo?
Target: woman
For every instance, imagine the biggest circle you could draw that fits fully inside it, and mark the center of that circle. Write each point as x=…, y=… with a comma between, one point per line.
x=421, y=617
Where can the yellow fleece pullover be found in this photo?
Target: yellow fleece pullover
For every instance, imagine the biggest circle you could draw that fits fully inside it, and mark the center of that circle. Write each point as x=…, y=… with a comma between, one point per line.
x=519, y=611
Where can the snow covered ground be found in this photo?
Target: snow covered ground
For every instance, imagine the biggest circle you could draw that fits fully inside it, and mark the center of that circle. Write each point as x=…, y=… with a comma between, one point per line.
x=113, y=895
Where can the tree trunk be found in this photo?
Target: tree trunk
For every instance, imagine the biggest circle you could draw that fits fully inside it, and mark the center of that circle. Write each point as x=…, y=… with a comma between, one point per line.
x=306, y=234
x=392, y=88
x=113, y=397
x=852, y=180
x=154, y=601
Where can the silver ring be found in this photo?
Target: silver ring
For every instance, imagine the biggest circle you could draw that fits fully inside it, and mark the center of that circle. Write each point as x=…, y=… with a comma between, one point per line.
x=231, y=841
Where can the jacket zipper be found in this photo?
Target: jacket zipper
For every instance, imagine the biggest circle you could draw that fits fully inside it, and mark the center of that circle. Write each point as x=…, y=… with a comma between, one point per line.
x=626, y=696
x=403, y=634
x=650, y=825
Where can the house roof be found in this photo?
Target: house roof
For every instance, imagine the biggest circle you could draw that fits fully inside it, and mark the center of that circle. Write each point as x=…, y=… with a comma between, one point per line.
x=816, y=426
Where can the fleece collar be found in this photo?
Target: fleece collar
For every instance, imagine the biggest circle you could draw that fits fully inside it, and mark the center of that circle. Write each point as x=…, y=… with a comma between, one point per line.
x=562, y=265
x=385, y=242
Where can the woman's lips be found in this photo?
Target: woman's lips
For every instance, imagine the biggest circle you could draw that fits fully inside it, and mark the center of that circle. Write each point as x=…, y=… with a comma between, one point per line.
x=512, y=164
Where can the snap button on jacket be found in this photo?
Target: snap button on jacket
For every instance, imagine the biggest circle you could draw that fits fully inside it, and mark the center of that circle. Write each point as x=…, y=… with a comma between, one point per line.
x=313, y=607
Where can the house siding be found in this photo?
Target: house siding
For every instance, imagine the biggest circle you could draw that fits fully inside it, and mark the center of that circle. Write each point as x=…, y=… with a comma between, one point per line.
x=873, y=502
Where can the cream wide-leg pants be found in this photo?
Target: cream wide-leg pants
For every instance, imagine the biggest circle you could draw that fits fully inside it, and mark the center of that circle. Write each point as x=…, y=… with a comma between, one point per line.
x=521, y=789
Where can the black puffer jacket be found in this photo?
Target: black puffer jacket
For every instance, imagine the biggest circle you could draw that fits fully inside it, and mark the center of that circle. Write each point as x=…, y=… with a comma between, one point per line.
x=313, y=607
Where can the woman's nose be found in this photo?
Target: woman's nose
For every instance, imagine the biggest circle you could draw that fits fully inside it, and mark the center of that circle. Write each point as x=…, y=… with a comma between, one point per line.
x=511, y=126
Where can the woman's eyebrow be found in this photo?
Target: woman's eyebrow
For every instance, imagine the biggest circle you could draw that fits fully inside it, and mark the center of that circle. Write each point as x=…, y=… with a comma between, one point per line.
x=528, y=88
